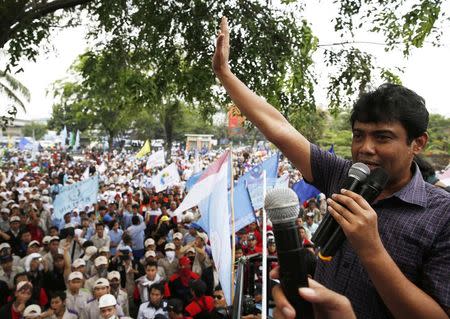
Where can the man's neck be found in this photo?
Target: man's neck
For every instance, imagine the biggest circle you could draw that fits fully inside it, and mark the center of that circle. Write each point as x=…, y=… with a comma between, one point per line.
x=60, y=313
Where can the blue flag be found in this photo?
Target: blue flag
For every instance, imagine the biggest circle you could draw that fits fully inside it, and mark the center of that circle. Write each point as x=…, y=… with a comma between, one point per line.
x=243, y=209
x=23, y=143
x=306, y=191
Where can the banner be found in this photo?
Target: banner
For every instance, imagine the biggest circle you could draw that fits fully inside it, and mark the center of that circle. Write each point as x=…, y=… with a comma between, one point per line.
x=77, y=195
x=156, y=160
x=166, y=178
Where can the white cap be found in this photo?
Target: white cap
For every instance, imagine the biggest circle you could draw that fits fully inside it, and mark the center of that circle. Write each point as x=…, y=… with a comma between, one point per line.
x=78, y=263
x=113, y=275
x=46, y=239
x=100, y=261
x=169, y=246
x=89, y=252
x=191, y=250
x=75, y=275
x=203, y=236
x=149, y=241
x=107, y=301
x=150, y=253
x=101, y=282
x=5, y=210
x=21, y=284
x=178, y=235
x=54, y=238
x=14, y=219
x=34, y=242
x=69, y=225
x=32, y=311
x=4, y=245
x=103, y=249
x=310, y=214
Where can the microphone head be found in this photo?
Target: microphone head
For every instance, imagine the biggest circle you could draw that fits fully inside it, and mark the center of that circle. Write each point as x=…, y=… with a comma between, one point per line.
x=281, y=205
x=359, y=171
x=378, y=178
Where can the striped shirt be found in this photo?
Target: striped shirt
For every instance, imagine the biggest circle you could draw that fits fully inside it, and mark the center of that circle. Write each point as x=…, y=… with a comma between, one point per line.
x=414, y=226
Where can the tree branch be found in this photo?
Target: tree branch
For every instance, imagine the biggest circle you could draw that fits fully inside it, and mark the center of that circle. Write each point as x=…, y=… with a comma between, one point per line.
x=35, y=12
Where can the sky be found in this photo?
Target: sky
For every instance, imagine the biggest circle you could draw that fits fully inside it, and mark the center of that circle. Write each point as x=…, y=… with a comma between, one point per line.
x=426, y=71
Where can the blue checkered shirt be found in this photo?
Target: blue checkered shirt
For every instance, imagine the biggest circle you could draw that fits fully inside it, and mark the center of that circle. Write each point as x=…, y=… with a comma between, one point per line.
x=414, y=226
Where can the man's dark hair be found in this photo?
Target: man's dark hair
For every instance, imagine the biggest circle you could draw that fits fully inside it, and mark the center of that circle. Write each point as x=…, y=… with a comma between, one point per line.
x=20, y=274
x=158, y=286
x=175, y=305
x=135, y=220
x=198, y=287
x=54, y=227
x=151, y=263
x=391, y=103
x=58, y=294
x=87, y=243
x=99, y=224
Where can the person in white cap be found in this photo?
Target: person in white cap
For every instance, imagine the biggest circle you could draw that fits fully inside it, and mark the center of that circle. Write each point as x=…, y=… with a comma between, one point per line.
x=32, y=311
x=14, y=233
x=79, y=265
x=77, y=297
x=91, y=310
x=170, y=261
x=150, y=256
x=101, y=265
x=119, y=293
x=178, y=242
x=107, y=305
x=4, y=221
x=53, y=250
x=58, y=307
x=90, y=253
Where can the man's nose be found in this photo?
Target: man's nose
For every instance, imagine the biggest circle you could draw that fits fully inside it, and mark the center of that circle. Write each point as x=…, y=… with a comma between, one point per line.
x=367, y=146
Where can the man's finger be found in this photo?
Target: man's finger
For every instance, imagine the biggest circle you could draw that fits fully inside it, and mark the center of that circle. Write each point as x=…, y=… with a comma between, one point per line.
x=282, y=303
x=357, y=198
x=340, y=209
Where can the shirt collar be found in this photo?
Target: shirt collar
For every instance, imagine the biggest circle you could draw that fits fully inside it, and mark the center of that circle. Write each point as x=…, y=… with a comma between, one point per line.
x=414, y=192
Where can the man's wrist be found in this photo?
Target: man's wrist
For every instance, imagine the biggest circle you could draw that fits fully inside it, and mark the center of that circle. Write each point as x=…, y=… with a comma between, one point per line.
x=373, y=254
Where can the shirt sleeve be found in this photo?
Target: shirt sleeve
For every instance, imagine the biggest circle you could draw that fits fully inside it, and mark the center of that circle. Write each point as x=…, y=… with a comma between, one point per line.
x=436, y=269
x=328, y=170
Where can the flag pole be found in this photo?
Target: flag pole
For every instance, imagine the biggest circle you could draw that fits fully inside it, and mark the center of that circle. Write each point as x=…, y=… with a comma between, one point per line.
x=264, y=251
x=233, y=232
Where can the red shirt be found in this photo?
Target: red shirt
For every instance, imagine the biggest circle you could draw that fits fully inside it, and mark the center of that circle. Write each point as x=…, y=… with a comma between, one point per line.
x=205, y=303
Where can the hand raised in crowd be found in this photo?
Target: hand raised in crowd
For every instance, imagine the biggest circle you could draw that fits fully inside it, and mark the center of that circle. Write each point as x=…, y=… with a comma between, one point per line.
x=358, y=221
x=222, y=52
x=326, y=303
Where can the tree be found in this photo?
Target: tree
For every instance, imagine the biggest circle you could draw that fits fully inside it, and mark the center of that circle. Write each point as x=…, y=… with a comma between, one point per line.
x=102, y=100
x=15, y=93
x=35, y=130
x=170, y=44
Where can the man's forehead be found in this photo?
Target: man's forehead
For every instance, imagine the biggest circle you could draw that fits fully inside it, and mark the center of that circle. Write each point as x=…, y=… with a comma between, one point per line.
x=394, y=126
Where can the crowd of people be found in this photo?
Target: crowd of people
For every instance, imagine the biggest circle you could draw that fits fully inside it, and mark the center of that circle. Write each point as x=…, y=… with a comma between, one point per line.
x=127, y=251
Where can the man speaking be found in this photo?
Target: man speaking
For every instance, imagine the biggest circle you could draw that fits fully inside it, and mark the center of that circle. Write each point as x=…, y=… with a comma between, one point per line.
x=396, y=260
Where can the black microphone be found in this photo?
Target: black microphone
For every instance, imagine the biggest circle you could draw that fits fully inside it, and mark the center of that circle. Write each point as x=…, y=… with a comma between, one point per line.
x=369, y=191
x=282, y=208
x=357, y=174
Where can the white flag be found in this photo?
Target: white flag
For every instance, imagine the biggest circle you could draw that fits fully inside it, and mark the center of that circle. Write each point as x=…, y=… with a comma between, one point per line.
x=166, y=178
x=156, y=159
x=77, y=141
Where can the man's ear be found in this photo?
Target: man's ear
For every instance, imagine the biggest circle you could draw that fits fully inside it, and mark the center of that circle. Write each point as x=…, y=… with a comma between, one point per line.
x=419, y=143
